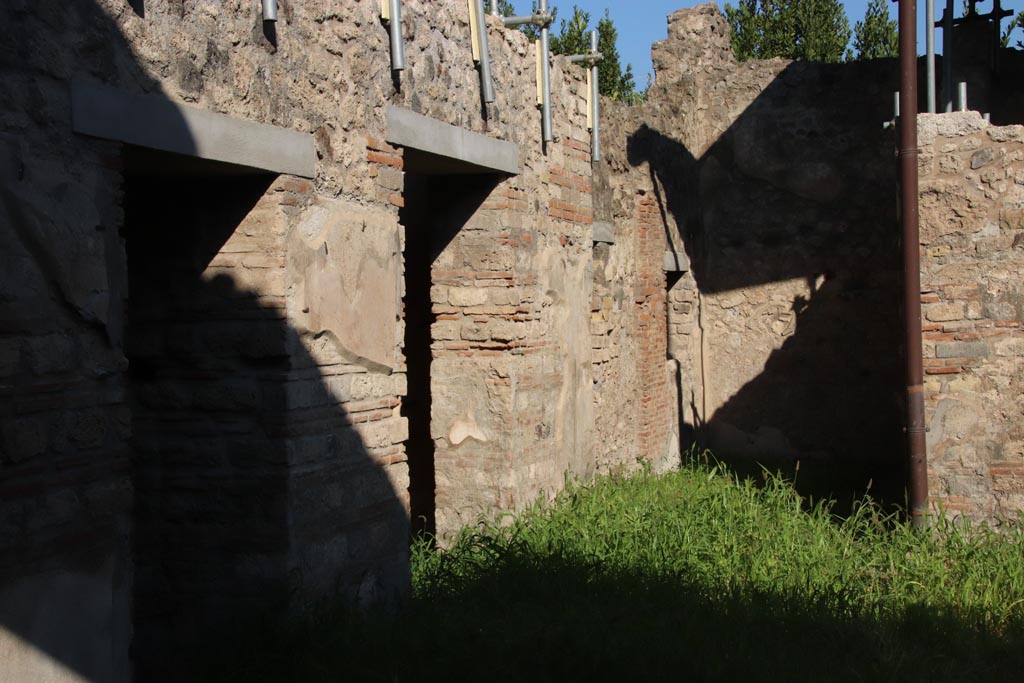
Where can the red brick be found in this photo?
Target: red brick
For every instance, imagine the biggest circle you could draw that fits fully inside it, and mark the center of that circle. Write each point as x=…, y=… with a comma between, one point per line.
x=386, y=159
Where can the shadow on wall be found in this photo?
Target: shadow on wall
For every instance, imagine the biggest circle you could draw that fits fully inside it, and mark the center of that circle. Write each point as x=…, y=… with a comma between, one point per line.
x=798, y=193
x=243, y=492
x=437, y=207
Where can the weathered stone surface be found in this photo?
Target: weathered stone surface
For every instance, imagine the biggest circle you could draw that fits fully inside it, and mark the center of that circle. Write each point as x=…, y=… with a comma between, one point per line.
x=944, y=312
x=265, y=380
x=961, y=350
x=973, y=401
x=771, y=176
x=270, y=389
x=345, y=274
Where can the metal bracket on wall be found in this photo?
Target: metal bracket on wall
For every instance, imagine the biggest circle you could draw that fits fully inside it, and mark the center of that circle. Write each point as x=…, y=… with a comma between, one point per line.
x=543, y=20
x=481, y=51
x=593, y=94
x=391, y=13
x=269, y=10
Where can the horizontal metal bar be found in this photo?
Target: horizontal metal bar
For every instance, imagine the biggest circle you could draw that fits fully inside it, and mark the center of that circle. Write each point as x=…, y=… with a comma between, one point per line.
x=538, y=20
x=593, y=57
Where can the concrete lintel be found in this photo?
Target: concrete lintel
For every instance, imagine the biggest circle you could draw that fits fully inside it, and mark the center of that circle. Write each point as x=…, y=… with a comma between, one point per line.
x=158, y=123
x=446, y=148
x=604, y=232
x=676, y=262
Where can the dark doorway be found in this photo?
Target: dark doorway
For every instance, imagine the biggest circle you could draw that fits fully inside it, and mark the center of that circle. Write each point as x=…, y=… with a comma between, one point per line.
x=419, y=317
x=436, y=208
x=209, y=518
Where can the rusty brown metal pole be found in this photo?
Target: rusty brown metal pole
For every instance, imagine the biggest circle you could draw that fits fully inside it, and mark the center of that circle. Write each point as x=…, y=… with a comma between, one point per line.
x=917, y=487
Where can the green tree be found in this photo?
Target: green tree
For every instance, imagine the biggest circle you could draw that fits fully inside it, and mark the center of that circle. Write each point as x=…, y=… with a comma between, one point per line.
x=876, y=36
x=573, y=38
x=573, y=35
x=822, y=30
x=532, y=32
x=615, y=82
x=795, y=29
x=761, y=28
x=1016, y=22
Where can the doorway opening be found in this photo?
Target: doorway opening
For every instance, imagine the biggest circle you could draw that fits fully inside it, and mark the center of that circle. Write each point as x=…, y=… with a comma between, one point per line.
x=437, y=207
x=209, y=516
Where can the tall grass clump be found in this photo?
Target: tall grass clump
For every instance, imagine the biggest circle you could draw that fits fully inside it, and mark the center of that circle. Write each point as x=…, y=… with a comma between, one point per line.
x=694, y=575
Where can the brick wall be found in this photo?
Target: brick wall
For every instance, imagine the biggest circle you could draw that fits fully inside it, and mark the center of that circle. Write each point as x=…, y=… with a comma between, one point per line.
x=510, y=382
x=650, y=291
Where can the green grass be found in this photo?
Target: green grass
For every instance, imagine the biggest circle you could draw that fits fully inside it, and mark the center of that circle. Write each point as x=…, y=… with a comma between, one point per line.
x=694, y=575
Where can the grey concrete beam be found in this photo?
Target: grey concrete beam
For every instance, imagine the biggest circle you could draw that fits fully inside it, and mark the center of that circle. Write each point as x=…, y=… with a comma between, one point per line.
x=676, y=262
x=432, y=146
x=604, y=232
x=158, y=123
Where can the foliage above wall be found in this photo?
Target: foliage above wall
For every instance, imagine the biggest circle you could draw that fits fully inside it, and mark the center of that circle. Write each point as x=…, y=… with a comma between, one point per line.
x=817, y=30
x=573, y=38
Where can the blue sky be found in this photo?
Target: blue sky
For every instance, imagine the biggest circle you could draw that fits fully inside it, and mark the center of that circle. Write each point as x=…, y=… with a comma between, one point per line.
x=641, y=22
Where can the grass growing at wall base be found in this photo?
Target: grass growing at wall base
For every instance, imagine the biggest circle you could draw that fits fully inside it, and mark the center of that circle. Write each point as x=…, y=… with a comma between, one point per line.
x=694, y=575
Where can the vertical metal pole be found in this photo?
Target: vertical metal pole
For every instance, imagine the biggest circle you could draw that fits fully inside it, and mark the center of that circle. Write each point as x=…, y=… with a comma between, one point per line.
x=397, y=45
x=947, y=57
x=961, y=96
x=269, y=10
x=929, y=23
x=494, y=8
x=917, y=487
x=545, y=80
x=595, y=133
x=486, y=83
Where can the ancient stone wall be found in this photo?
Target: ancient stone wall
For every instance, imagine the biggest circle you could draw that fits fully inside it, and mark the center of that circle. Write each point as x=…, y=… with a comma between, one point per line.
x=777, y=181
x=224, y=391
x=972, y=270
x=258, y=408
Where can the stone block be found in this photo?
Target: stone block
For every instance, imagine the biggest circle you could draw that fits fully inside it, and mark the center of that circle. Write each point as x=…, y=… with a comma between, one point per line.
x=467, y=296
x=504, y=296
x=1006, y=133
x=383, y=432
x=1013, y=346
x=1001, y=310
x=506, y=331
x=982, y=157
x=438, y=294
x=483, y=257
x=400, y=384
x=471, y=331
x=1011, y=219
x=373, y=385
x=944, y=312
x=445, y=330
x=976, y=349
